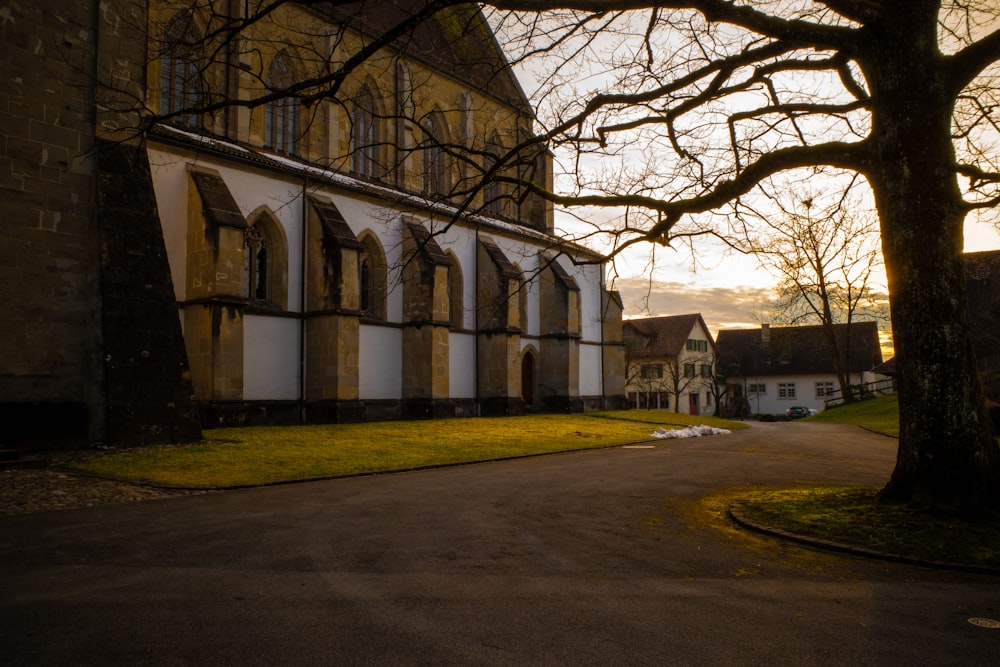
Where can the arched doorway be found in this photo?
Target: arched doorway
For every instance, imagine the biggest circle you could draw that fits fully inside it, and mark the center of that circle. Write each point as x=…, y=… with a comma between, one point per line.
x=528, y=378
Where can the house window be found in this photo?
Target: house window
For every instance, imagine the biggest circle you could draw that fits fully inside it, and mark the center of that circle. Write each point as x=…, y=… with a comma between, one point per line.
x=689, y=370
x=364, y=151
x=706, y=370
x=759, y=388
x=708, y=398
x=697, y=345
x=179, y=71
x=824, y=389
x=651, y=371
x=786, y=390
x=280, y=116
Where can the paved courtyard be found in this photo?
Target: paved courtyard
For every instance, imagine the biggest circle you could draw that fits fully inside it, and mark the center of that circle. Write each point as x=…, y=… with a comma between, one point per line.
x=611, y=557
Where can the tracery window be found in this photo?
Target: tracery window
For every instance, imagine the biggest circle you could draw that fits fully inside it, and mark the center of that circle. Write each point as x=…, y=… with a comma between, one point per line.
x=372, y=278
x=434, y=156
x=456, y=293
x=492, y=191
x=256, y=263
x=365, y=134
x=180, y=73
x=281, y=115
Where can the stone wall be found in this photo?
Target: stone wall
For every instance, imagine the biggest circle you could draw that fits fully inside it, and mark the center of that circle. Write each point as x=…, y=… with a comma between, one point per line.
x=147, y=383
x=94, y=353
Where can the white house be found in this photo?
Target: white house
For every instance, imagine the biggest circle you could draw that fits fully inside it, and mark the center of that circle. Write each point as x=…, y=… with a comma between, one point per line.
x=770, y=369
x=670, y=364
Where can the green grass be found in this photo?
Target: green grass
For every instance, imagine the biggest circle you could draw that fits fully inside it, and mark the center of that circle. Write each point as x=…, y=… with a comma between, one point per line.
x=880, y=415
x=263, y=455
x=852, y=516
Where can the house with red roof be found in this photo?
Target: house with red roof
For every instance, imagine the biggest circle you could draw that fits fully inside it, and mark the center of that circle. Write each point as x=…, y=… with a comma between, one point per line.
x=670, y=364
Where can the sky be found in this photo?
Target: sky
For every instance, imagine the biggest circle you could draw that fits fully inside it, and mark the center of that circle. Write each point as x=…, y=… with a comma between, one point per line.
x=727, y=290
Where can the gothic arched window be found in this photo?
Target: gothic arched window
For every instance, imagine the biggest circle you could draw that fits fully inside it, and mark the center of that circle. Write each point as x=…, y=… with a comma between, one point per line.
x=256, y=263
x=372, y=278
x=492, y=190
x=365, y=134
x=435, y=168
x=280, y=116
x=456, y=293
x=180, y=73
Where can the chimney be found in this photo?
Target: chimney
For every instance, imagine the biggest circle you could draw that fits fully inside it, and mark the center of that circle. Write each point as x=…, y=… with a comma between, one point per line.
x=765, y=334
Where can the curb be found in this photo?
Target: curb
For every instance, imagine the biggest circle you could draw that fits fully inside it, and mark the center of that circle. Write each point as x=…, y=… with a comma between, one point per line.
x=819, y=544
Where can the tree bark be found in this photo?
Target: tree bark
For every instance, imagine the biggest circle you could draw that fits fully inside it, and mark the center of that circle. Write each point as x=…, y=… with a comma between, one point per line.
x=947, y=459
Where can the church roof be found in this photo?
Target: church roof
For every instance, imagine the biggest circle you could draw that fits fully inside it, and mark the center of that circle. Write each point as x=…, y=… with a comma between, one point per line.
x=456, y=41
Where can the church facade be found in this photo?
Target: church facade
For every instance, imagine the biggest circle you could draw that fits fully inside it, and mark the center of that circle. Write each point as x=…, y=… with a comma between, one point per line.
x=372, y=252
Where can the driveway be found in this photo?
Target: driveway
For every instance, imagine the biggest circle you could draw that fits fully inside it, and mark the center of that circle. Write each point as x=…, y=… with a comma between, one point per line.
x=609, y=557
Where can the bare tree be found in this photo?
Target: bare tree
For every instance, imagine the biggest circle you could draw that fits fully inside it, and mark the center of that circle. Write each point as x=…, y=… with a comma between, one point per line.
x=676, y=376
x=678, y=116
x=727, y=99
x=825, y=255
x=688, y=374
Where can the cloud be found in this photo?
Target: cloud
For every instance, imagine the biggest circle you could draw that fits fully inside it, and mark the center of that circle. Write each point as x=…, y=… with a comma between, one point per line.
x=722, y=307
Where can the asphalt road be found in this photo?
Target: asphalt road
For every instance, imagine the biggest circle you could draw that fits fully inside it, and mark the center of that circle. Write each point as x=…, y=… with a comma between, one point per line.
x=609, y=557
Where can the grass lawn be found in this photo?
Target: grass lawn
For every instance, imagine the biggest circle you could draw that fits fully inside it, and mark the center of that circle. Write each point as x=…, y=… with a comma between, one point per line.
x=852, y=516
x=880, y=415
x=263, y=455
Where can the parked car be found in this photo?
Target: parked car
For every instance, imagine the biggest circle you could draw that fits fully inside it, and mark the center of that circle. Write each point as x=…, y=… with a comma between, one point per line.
x=797, y=412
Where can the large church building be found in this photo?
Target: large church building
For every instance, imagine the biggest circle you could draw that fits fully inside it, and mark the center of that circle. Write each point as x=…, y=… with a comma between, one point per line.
x=264, y=228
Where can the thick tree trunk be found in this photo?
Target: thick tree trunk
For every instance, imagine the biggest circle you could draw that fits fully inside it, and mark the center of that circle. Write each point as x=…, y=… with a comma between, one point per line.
x=947, y=457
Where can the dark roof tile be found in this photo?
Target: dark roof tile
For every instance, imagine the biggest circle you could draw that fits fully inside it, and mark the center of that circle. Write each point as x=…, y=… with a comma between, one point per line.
x=795, y=350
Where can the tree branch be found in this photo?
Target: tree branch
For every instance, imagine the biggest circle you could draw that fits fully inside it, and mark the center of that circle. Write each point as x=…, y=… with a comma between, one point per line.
x=968, y=63
x=723, y=11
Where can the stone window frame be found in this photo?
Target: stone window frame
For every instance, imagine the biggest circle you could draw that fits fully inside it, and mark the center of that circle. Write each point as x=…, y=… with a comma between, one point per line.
x=433, y=154
x=281, y=116
x=373, y=277
x=456, y=292
x=264, y=232
x=523, y=286
x=366, y=133
x=181, y=76
x=492, y=188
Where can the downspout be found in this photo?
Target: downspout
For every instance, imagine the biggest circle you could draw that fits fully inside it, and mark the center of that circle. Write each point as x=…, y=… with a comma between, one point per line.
x=303, y=273
x=604, y=316
x=475, y=325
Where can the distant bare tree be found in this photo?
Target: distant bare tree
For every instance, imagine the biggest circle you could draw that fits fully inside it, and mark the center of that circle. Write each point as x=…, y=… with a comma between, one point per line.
x=825, y=254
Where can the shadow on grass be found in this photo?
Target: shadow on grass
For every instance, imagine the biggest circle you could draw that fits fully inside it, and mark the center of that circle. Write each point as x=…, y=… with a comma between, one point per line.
x=850, y=519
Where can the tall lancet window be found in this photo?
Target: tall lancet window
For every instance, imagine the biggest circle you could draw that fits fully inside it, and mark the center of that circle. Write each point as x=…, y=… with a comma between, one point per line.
x=281, y=115
x=365, y=134
x=180, y=72
x=256, y=266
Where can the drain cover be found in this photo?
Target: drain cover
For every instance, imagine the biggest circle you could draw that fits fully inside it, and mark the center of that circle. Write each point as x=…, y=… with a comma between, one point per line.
x=985, y=623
